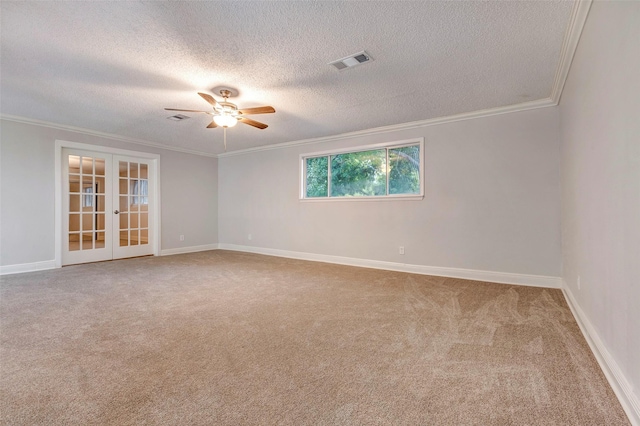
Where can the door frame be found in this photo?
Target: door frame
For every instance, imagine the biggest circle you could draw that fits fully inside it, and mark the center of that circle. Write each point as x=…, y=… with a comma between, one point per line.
x=155, y=158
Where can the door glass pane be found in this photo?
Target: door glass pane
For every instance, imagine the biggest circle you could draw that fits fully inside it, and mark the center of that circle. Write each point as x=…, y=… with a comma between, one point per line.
x=133, y=170
x=133, y=205
x=87, y=222
x=134, y=237
x=123, y=167
x=124, y=204
x=144, y=188
x=123, y=186
x=99, y=240
x=74, y=164
x=134, y=220
x=100, y=185
x=74, y=222
x=100, y=166
x=87, y=241
x=74, y=203
x=87, y=165
x=87, y=183
x=144, y=220
x=134, y=187
x=100, y=222
x=87, y=193
x=100, y=203
x=144, y=236
x=124, y=238
x=74, y=183
x=144, y=173
x=124, y=221
x=74, y=242
x=87, y=203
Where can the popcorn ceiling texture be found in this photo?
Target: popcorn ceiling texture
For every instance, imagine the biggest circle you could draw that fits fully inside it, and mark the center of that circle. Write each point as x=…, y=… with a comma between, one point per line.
x=224, y=338
x=113, y=66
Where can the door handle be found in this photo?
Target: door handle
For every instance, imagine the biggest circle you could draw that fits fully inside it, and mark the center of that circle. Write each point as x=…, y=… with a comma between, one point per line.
x=116, y=211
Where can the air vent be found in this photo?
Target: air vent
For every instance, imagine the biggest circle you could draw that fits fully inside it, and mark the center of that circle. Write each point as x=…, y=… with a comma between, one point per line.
x=177, y=117
x=352, y=60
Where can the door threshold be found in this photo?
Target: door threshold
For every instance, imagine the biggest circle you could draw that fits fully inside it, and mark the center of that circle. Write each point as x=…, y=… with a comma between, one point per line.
x=109, y=260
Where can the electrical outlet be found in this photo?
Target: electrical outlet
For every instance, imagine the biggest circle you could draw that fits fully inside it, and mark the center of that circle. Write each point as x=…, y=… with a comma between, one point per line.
x=249, y=237
x=401, y=250
x=181, y=237
x=578, y=282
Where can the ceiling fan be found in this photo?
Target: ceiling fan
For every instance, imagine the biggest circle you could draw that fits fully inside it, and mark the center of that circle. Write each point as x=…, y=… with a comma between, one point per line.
x=226, y=114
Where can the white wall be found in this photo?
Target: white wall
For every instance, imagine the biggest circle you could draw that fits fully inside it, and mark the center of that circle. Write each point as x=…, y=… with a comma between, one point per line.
x=600, y=133
x=188, y=192
x=491, y=203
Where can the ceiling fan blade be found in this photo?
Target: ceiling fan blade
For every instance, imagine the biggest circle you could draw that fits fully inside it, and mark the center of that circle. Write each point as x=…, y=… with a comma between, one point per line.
x=212, y=125
x=187, y=110
x=253, y=123
x=257, y=110
x=209, y=99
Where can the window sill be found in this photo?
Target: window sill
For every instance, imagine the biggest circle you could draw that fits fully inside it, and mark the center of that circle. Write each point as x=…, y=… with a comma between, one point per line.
x=342, y=199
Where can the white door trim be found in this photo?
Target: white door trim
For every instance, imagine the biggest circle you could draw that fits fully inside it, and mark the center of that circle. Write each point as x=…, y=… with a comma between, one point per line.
x=59, y=145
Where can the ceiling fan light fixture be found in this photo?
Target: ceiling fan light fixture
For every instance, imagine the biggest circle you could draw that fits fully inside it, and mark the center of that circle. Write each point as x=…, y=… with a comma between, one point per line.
x=225, y=120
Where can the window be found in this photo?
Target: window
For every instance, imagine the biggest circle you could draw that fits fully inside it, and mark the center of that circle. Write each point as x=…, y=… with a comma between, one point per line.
x=387, y=171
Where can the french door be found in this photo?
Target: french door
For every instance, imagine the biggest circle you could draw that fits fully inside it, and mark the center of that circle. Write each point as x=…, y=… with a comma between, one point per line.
x=107, y=206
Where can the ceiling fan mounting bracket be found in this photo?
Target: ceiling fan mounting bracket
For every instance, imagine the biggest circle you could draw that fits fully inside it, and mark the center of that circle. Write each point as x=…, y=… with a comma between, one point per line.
x=228, y=92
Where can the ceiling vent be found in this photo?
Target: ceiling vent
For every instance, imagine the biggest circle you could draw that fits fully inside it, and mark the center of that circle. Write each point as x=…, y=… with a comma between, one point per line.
x=178, y=117
x=351, y=61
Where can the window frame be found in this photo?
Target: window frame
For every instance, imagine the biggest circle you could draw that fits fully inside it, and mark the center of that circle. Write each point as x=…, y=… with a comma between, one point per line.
x=361, y=148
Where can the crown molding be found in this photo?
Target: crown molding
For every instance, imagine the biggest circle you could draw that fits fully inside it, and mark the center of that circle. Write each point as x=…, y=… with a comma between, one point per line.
x=112, y=136
x=570, y=44
x=525, y=106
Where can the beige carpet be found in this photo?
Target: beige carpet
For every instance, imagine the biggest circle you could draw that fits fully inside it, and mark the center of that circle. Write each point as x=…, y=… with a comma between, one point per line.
x=230, y=338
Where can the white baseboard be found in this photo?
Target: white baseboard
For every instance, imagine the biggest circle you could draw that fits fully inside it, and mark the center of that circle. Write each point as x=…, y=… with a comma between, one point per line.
x=51, y=264
x=191, y=249
x=469, y=274
x=619, y=383
x=27, y=267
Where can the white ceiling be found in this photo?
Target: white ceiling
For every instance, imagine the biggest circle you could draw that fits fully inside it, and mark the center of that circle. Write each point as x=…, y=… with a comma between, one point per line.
x=113, y=66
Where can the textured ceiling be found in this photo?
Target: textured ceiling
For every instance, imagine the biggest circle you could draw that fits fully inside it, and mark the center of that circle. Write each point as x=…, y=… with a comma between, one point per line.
x=113, y=66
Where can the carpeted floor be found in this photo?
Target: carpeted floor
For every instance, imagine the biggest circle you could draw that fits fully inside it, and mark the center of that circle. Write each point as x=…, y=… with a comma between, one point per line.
x=232, y=338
